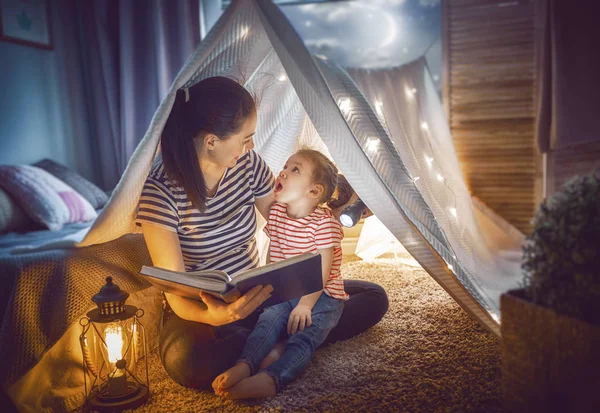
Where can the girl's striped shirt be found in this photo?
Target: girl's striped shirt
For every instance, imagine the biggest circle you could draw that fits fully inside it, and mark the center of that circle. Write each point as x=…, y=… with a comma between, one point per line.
x=221, y=237
x=318, y=230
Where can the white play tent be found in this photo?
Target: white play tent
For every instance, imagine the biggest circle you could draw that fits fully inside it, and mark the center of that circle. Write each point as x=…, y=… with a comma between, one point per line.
x=386, y=131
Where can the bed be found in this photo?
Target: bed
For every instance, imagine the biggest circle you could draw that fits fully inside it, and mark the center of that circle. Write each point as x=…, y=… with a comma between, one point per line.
x=47, y=287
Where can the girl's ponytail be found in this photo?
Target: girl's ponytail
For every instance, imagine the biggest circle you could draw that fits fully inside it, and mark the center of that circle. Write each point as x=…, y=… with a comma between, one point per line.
x=343, y=193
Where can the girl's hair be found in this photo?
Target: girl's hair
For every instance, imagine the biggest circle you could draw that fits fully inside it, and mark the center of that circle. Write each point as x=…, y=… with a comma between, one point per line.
x=215, y=105
x=326, y=173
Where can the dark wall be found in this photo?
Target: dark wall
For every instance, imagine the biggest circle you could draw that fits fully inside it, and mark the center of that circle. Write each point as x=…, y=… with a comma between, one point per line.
x=41, y=99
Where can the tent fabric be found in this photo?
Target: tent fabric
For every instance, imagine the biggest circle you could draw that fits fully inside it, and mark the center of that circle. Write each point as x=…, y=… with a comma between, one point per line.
x=383, y=129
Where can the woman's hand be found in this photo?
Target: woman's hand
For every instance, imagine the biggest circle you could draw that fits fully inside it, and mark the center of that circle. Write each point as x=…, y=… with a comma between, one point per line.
x=300, y=318
x=222, y=313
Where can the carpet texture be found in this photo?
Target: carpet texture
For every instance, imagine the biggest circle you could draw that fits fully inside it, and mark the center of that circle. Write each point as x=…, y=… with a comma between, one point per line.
x=426, y=355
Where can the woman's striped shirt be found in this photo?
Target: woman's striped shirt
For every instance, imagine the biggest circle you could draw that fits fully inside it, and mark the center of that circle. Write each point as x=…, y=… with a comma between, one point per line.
x=318, y=230
x=221, y=237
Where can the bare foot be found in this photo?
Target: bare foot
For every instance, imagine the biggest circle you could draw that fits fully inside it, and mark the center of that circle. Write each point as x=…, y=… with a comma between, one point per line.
x=231, y=377
x=274, y=355
x=259, y=386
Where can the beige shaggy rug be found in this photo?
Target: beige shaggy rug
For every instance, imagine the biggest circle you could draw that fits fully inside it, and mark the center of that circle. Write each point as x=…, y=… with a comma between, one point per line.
x=426, y=355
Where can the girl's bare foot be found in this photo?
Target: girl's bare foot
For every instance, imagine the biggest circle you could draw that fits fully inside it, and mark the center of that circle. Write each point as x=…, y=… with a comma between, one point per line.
x=259, y=386
x=231, y=377
x=274, y=355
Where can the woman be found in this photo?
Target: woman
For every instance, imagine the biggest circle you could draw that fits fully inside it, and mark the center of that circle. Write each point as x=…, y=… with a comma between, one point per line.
x=197, y=211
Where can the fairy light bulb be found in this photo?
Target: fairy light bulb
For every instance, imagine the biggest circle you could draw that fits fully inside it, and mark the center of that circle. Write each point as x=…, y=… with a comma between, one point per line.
x=453, y=212
x=244, y=32
x=424, y=126
x=410, y=92
x=372, y=143
x=429, y=161
x=345, y=105
x=379, y=108
x=415, y=179
x=440, y=178
x=282, y=78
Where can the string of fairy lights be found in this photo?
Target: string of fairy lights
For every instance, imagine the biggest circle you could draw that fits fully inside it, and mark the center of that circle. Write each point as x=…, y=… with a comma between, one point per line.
x=372, y=143
x=433, y=166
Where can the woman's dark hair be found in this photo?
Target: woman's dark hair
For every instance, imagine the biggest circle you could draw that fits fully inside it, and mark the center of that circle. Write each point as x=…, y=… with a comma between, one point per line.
x=216, y=105
x=326, y=173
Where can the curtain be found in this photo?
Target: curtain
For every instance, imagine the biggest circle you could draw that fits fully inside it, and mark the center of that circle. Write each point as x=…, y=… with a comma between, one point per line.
x=567, y=66
x=131, y=52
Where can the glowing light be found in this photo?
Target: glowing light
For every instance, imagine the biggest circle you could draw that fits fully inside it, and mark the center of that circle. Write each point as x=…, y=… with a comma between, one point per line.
x=282, y=78
x=453, y=212
x=379, y=107
x=308, y=23
x=429, y=161
x=450, y=267
x=345, y=105
x=372, y=144
x=496, y=317
x=424, y=126
x=244, y=32
x=114, y=342
x=410, y=93
x=415, y=179
x=440, y=178
x=320, y=56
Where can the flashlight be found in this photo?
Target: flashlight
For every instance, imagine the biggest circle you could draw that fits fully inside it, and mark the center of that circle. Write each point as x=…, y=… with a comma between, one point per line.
x=351, y=214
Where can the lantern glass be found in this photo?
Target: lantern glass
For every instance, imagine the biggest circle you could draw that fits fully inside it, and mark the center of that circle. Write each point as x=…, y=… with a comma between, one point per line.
x=119, y=340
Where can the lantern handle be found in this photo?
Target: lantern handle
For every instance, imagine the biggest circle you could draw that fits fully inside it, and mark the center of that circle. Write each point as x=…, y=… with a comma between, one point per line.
x=87, y=358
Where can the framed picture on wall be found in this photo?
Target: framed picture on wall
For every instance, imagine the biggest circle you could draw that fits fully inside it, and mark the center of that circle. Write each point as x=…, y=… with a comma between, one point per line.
x=26, y=22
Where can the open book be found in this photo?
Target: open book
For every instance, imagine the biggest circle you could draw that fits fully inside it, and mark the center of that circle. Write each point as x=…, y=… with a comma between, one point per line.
x=290, y=278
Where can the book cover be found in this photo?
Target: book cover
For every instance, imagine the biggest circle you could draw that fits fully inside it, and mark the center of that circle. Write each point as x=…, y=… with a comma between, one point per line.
x=290, y=278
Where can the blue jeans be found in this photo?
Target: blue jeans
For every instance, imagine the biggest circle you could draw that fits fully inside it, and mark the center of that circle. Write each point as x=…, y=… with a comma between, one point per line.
x=300, y=346
x=193, y=354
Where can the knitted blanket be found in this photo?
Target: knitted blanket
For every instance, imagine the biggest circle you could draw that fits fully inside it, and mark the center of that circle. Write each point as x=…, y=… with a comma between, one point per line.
x=45, y=292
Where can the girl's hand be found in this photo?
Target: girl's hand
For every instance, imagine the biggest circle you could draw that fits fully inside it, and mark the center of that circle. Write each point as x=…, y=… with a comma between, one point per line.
x=300, y=318
x=222, y=313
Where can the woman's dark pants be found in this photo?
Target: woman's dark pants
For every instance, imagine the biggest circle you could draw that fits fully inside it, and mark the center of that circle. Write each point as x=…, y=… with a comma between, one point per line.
x=193, y=354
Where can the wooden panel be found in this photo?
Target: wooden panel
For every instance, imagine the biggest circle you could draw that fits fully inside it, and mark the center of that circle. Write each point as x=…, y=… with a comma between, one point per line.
x=567, y=163
x=489, y=90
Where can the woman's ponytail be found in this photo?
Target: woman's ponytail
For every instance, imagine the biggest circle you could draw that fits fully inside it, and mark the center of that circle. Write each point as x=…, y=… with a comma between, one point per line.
x=179, y=152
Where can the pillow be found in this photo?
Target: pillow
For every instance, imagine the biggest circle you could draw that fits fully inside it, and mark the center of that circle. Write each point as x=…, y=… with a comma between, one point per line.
x=12, y=217
x=88, y=190
x=45, y=198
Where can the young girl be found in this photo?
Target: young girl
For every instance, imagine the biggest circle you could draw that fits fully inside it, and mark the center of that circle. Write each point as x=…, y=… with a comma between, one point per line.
x=297, y=224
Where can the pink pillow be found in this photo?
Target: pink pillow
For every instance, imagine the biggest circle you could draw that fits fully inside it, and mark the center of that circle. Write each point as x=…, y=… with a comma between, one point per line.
x=45, y=198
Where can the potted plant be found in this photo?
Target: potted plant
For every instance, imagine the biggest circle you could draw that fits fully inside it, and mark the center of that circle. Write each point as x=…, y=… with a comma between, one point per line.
x=551, y=326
